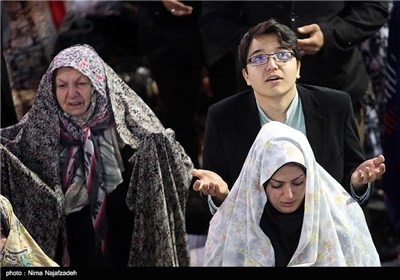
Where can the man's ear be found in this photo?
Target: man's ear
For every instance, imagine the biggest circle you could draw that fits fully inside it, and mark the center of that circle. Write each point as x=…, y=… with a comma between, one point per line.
x=298, y=69
x=246, y=76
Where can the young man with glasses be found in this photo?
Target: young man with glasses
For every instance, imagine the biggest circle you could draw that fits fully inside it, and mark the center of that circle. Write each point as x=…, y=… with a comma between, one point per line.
x=270, y=59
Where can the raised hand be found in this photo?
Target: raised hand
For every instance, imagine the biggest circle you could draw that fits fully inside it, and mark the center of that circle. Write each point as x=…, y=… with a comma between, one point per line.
x=210, y=183
x=368, y=171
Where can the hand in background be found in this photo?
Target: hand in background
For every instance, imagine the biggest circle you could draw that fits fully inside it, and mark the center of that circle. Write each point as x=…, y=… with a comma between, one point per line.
x=314, y=43
x=177, y=8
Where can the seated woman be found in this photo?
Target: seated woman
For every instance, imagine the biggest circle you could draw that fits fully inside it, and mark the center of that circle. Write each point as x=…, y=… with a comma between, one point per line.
x=17, y=247
x=286, y=210
x=92, y=173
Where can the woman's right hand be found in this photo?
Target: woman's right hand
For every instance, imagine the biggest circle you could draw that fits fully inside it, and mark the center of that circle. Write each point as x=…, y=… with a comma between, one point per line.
x=210, y=183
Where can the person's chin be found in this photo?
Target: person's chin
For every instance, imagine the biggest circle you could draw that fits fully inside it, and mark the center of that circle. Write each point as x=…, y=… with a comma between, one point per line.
x=287, y=209
x=76, y=112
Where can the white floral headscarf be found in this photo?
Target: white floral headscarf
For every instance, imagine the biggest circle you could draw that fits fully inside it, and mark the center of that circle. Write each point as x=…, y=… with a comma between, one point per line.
x=20, y=249
x=334, y=231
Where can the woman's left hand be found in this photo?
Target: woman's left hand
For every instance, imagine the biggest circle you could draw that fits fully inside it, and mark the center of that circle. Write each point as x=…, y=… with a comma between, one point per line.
x=368, y=171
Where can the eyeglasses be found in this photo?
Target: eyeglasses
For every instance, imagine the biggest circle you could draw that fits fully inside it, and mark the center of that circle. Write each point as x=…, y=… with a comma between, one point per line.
x=279, y=57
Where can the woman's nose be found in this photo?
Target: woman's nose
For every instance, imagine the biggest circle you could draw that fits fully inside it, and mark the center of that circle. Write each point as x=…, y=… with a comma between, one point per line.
x=288, y=191
x=72, y=91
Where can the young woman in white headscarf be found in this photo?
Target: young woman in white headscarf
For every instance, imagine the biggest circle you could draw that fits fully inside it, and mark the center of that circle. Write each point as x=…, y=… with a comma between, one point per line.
x=92, y=173
x=286, y=210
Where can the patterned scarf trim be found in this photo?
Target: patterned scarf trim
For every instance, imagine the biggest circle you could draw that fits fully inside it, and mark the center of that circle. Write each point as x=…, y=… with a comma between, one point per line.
x=92, y=168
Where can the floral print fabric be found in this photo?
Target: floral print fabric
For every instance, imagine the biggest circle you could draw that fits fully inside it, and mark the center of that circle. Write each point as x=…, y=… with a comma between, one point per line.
x=334, y=231
x=20, y=250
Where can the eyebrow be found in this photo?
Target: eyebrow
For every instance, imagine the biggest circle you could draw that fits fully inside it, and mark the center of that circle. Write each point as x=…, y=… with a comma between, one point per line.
x=262, y=50
x=290, y=180
x=77, y=79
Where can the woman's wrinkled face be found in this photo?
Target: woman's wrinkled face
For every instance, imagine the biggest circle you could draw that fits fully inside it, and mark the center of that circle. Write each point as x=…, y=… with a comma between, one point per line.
x=73, y=91
x=286, y=188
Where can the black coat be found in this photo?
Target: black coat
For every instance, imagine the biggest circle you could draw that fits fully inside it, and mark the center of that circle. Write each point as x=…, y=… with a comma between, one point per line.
x=233, y=124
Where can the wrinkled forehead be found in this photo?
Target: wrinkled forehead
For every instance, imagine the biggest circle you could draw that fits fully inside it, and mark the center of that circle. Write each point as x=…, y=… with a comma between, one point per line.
x=84, y=60
x=69, y=70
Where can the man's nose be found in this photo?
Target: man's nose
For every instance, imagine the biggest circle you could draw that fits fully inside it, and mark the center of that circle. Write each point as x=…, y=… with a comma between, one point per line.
x=271, y=63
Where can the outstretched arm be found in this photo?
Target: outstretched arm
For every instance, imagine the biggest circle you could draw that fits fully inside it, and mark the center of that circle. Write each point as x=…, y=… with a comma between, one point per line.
x=367, y=172
x=210, y=183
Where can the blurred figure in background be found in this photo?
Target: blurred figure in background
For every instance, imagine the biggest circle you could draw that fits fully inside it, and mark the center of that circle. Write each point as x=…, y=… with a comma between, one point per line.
x=30, y=48
x=8, y=114
x=111, y=27
x=391, y=139
x=171, y=41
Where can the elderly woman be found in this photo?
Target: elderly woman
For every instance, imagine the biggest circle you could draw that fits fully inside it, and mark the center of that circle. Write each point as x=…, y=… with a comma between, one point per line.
x=91, y=172
x=286, y=210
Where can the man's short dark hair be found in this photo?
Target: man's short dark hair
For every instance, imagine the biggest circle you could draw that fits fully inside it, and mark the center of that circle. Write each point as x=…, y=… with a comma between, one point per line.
x=287, y=38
